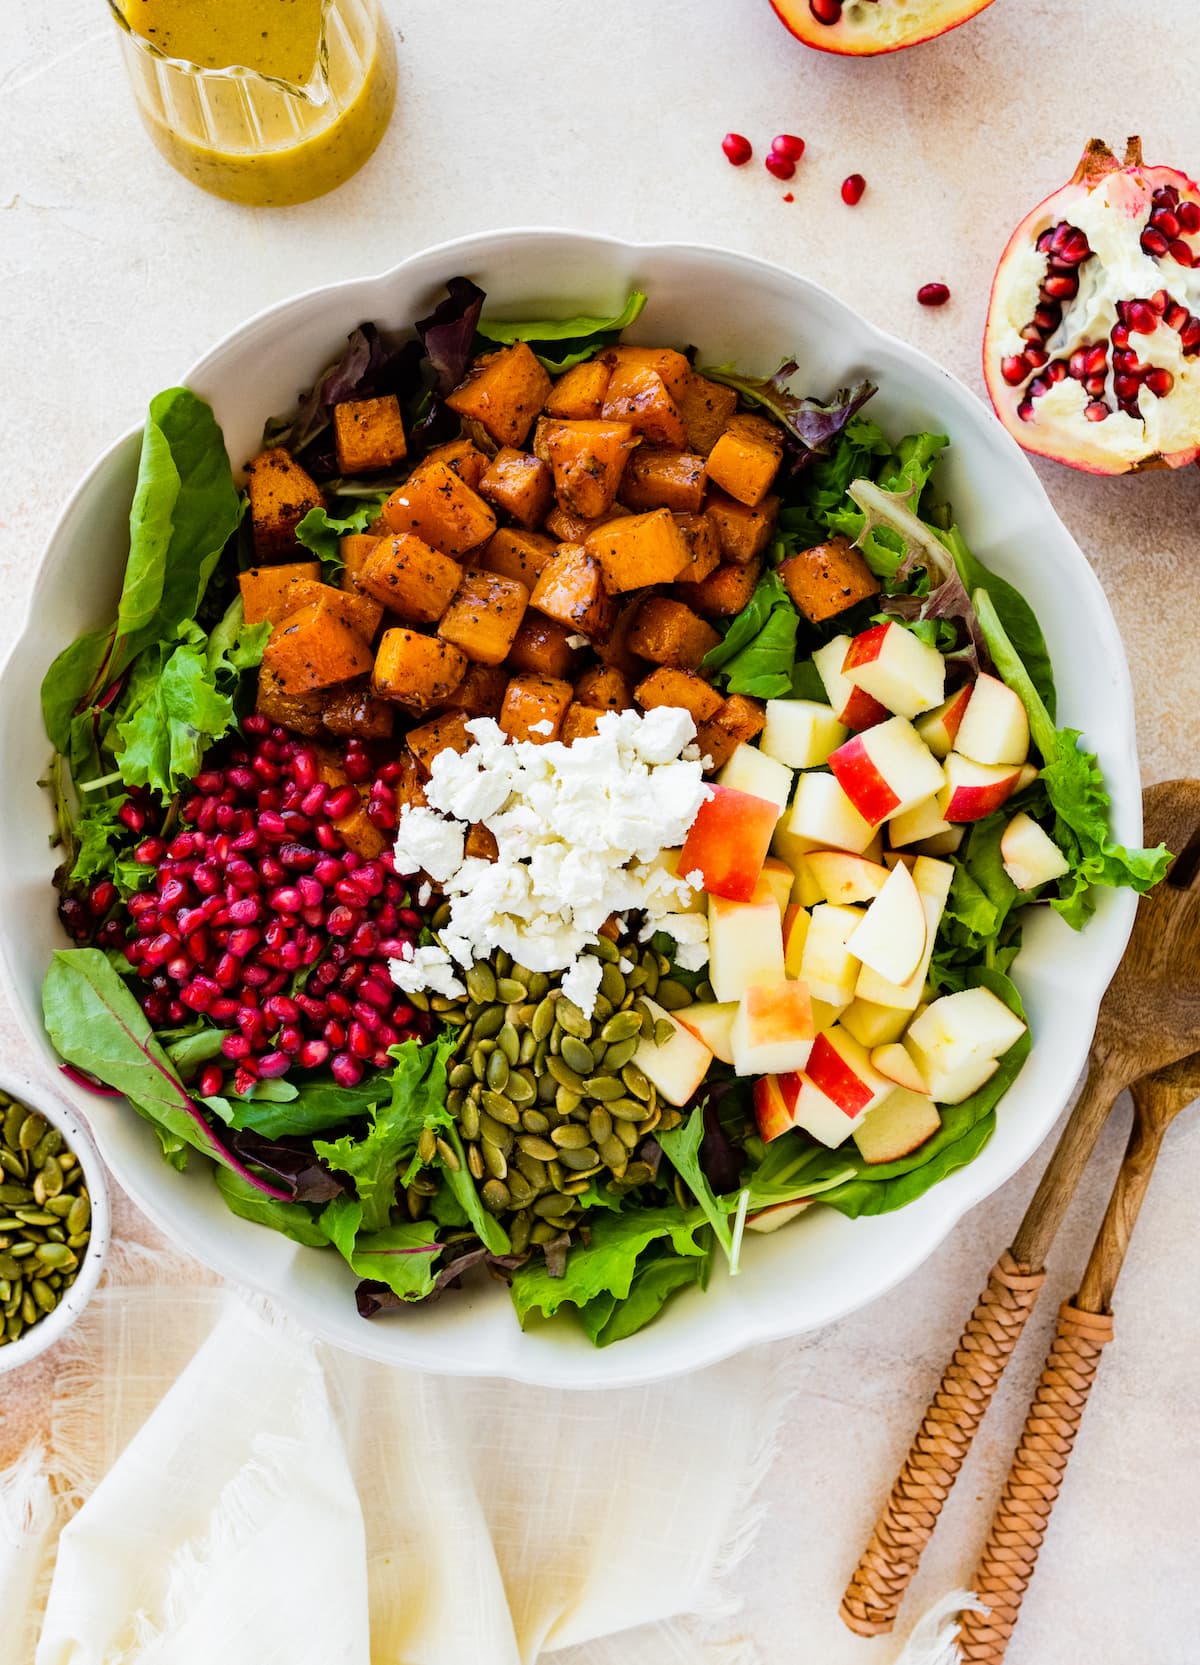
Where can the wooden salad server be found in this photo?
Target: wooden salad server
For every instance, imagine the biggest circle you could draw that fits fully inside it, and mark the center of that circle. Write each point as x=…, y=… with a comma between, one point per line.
x=1084, y=1326
x=1149, y=1018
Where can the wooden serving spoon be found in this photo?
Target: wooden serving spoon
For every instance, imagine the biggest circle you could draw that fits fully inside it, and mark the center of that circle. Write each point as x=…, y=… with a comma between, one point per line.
x=1149, y=1018
x=1084, y=1326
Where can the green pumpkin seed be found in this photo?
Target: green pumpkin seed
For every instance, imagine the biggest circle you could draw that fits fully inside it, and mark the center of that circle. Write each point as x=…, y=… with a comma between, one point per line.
x=497, y=1071
x=521, y=1089
x=531, y=1145
x=519, y=1188
x=664, y=1031
x=37, y=1217
x=50, y=1144
x=468, y=1120
x=494, y=1160
x=528, y=1048
x=585, y=1161
x=14, y=1166
x=547, y=1088
x=651, y=974
x=577, y=1055
x=613, y=1154
x=495, y=1133
x=539, y=986
x=509, y=1042
x=603, y=1087
x=672, y=996
x=56, y=1255
x=570, y=1136
x=494, y=1195
x=605, y=949
x=32, y=1129
x=461, y=1075
x=622, y=1026
x=43, y=1294
x=518, y=1232
x=565, y=1101
x=571, y=1020
x=449, y=1155
x=502, y=1108
x=543, y=1019
x=564, y=1074
x=489, y=1023
x=599, y=1124
x=481, y=983
x=15, y=1195
x=9, y=1268
x=621, y=1053
x=475, y=1163
x=532, y=1167
x=626, y=1109
x=629, y=1133
x=510, y=991
x=14, y=1120
x=533, y=1121
x=705, y=992
x=669, y=1120
x=553, y=1205
x=612, y=984
x=635, y=1081
x=61, y=1206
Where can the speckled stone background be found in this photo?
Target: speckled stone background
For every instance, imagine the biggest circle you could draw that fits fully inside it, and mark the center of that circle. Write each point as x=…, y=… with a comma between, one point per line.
x=115, y=275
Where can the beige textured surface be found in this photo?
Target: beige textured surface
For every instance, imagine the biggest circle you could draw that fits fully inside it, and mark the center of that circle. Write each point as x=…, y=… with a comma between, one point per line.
x=114, y=275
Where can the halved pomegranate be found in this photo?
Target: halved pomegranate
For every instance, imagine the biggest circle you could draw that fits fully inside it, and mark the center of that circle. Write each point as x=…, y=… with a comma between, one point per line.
x=862, y=28
x=1092, y=346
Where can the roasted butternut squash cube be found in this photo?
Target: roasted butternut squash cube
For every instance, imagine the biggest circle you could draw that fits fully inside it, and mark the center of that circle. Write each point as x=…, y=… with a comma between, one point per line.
x=668, y=633
x=739, y=719
x=544, y=646
x=521, y=485
x=638, y=551
x=534, y=708
x=682, y=689
x=570, y=588
x=613, y=649
x=436, y=505
x=639, y=395
x=746, y=458
x=410, y=783
x=481, y=842
x=672, y=366
x=466, y=459
x=578, y=394
x=485, y=615
x=566, y=527
x=359, y=833
x=271, y=593
x=355, y=550
x=706, y=408
x=481, y=691
x=517, y=555
x=356, y=711
x=440, y=734
x=418, y=671
x=503, y=392
x=825, y=580
x=281, y=494
x=658, y=479
x=580, y=723
x=723, y=593
x=317, y=646
x=411, y=580
x=368, y=434
x=362, y=611
x=742, y=533
x=588, y=459
x=302, y=713
x=606, y=688
x=703, y=554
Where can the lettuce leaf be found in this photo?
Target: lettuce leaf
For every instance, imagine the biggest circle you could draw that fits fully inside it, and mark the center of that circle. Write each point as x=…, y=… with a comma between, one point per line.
x=402, y=1256
x=319, y=531
x=576, y=339
x=681, y=1147
x=293, y=1219
x=813, y=427
x=607, y=1264
x=607, y=1319
x=758, y=651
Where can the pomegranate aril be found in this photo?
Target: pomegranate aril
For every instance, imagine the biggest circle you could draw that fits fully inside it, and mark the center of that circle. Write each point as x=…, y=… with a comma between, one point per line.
x=236, y=1047
x=1036, y=356
x=312, y=1054
x=1160, y=382
x=1061, y=286
x=346, y=1070
x=361, y=1044
x=788, y=144
x=933, y=294
x=1189, y=216
x=341, y=922
x=780, y=167
x=211, y=1080
x=853, y=186
x=1189, y=335
x=244, y=1077
x=151, y=850
x=335, y=1032
x=1141, y=318
x=1154, y=242
x=826, y=11
x=223, y=1010
x=358, y=766
x=1096, y=384
x=1126, y=387
x=341, y=803
x=1181, y=253
x=738, y=149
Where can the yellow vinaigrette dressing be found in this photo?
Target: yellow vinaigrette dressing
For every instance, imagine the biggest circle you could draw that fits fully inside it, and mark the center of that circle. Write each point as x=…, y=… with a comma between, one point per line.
x=264, y=102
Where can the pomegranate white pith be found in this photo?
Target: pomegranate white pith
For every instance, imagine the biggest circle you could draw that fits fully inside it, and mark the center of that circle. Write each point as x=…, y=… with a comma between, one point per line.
x=1092, y=346
x=860, y=28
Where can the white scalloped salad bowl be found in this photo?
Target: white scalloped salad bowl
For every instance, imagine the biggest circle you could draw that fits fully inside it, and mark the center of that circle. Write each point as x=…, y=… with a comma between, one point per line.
x=733, y=309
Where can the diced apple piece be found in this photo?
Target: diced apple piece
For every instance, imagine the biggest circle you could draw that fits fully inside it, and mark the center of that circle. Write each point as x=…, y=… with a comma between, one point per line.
x=874, y=1026
x=728, y=841
x=953, y=1086
x=898, y=1064
x=826, y=965
x=821, y=811
x=752, y=770
x=933, y=880
x=773, y=1030
x=779, y=879
x=844, y=878
x=897, y=668
x=745, y=945
x=801, y=733
x=897, y=1127
x=938, y=727
x=712, y=1022
x=795, y=935
x=678, y=1066
x=1030, y=856
x=959, y=1028
x=886, y=771
x=891, y=938
x=852, y=706
x=825, y=1015
x=841, y=1067
x=791, y=848
x=806, y=890
x=697, y=901
x=942, y=844
x=975, y=790
x=899, y=858
x=1027, y=776
x=925, y=821
x=774, y=1105
x=777, y=1214
x=995, y=728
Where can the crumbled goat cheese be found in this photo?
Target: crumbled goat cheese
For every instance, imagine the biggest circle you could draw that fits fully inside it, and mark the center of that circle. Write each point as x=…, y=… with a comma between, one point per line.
x=544, y=727
x=578, y=830
x=425, y=968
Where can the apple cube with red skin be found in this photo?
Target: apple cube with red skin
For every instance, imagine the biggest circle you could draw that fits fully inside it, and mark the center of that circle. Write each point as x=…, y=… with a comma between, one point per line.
x=939, y=727
x=1030, y=856
x=826, y=964
x=712, y=1022
x=894, y=1129
x=823, y=812
x=679, y=1065
x=897, y=668
x=844, y=878
x=779, y=879
x=995, y=728
x=728, y=841
x=753, y=771
x=837, y=1088
x=852, y=706
x=801, y=733
x=892, y=934
x=774, y=1105
x=973, y=790
x=745, y=945
x=773, y=1029
x=886, y=771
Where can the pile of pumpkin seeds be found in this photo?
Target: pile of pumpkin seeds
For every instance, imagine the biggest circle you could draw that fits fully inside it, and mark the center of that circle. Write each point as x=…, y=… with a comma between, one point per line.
x=45, y=1218
x=550, y=1102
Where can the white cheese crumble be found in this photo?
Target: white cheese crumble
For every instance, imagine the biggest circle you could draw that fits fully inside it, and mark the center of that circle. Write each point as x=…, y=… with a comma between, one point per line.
x=425, y=968
x=578, y=829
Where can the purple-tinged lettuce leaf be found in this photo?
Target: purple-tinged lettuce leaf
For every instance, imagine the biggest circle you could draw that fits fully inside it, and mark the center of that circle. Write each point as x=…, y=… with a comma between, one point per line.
x=371, y=1296
x=290, y=1162
x=812, y=426
x=448, y=334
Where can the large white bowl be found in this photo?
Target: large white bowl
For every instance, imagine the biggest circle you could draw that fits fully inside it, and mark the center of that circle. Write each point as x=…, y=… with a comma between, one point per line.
x=731, y=308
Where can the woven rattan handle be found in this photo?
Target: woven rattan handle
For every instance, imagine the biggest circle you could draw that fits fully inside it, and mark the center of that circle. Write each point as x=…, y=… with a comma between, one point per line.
x=1023, y=1514
x=874, y=1594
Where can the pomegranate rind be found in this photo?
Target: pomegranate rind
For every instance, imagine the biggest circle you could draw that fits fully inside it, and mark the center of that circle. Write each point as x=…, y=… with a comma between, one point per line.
x=860, y=35
x=1119, y=444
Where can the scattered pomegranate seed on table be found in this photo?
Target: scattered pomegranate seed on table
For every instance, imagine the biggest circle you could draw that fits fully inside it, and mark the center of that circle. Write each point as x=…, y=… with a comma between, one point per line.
x=781, y=166
x=852, y=189
x=789, y=196
x=738, y=149
x=789, y=145
x=933, y=294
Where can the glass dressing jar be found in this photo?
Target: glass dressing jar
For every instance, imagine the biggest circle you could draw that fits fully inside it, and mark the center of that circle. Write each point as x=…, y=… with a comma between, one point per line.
x=264, y=102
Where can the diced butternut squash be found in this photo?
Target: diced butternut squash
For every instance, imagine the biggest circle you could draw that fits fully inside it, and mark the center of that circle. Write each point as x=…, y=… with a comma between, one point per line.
x=704, y=555
x=355, y=550
x=742, y=533
x=639, y=395
x=481, y=842
x=672, y=366
x=683, y=689
x=521, y=485
x=605, y=687
x=418, y=671
x=412, y=580
x=356, y=711
x=723, y=593
x=668, y=633
x=588, y=459
x=302, y=713
x=271, y=593
x=570, y=588
x=466, y=459
x=517, y=555
x=361, y=611
x=544, y=646
x=580, y=722
x=825, y=580
x=481, y=691
x=578, y=395
x=368, y=434
x=739, y=719
x=281, y=494
x=613, y=649
x=410, y=783
x=503, y=392
x=439, y=734
x=640, y=550
x=317, y=646
x=360, y=834
x=658, y=479
x=706, y=408
x=746, y=458
x=485, y=615
x=566, y=527
x=434, y=504
x=534, y=708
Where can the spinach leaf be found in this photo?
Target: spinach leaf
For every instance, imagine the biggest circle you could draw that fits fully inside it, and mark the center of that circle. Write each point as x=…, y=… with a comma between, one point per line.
x=315, y=1107
x=606, y=1319
x=401, y=1257
x=608, y=1263
x=189, y=1052
x=1014, y=612
x=249, y=1203
x=758, y=651
x=577, y=339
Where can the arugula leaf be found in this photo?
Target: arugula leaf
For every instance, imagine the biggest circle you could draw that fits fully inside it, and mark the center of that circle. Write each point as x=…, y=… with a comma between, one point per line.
x=401, y=1257
x=608, y=1263
x=319, y=531
x=249, y=1203
x=814, y=427
x=758, y=651
x=681, y=1147
x=579, y=338
x=607, y=1320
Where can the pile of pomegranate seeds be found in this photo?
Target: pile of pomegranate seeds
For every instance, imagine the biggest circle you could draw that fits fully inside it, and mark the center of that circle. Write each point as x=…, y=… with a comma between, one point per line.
x=256, y=886
x=1170, y=219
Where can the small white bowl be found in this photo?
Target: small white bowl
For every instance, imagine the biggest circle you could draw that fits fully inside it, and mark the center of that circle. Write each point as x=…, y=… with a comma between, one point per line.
x=76, y=1138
